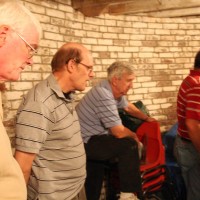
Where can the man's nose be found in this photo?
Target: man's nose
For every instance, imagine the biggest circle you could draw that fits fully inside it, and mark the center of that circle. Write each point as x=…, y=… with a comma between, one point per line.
x=92, y=74
x=29, y=61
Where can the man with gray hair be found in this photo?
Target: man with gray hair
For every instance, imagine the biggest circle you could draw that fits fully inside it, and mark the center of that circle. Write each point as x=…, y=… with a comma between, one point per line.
x=104, y=135
x=19, y=37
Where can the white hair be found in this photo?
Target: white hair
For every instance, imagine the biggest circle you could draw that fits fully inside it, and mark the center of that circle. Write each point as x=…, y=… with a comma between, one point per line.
x=15, y=15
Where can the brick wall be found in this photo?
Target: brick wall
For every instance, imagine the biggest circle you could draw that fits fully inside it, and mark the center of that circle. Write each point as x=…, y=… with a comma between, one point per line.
x=161, y=49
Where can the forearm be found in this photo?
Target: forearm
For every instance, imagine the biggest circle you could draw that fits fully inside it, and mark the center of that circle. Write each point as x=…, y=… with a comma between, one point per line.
x=26, y=175
x=25, y=162
x=135, y=112
x=122, y=132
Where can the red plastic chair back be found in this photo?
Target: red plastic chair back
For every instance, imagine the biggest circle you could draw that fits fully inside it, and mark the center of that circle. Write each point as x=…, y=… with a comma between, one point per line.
x=153, y=159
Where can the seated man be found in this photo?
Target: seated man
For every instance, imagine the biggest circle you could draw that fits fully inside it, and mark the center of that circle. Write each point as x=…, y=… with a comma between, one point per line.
x=104, y=135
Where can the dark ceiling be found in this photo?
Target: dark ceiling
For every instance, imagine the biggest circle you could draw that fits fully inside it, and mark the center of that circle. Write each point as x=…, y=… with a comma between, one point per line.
x=151, y=8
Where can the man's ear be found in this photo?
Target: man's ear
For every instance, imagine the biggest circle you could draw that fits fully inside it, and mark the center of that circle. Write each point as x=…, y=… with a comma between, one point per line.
x=70, y=66
x=4, y=29
x=114, y=80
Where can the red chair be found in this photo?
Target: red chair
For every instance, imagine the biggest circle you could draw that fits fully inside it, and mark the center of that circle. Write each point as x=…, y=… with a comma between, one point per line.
x=154, y=174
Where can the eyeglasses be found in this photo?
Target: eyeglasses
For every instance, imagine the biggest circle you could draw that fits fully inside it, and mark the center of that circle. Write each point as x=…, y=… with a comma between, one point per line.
x=89, y=68
x=31, y=50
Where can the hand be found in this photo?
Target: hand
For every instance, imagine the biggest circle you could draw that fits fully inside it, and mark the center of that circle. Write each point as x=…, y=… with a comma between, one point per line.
x=140, y=149
x=150, y=119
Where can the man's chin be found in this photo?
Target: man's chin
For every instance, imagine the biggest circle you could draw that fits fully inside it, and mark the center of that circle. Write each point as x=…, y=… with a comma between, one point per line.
x=124, y=93
x=14, y=77
x=80, y=89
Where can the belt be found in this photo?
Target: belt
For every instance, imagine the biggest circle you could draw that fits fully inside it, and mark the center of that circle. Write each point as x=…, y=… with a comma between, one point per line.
x=184, y=139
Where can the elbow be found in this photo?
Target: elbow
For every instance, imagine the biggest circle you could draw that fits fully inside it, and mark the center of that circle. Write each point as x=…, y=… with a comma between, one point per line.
x=117, y=135
x=118, y=131
x=191, y=125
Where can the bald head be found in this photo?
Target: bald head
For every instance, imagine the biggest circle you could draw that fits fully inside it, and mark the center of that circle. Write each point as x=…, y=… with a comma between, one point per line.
x=73, y=45
x=67, y=52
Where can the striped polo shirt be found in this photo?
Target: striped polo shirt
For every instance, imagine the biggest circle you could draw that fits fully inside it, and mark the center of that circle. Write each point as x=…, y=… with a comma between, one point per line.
x=188, y=101
x=98, y=110
x=47, y=125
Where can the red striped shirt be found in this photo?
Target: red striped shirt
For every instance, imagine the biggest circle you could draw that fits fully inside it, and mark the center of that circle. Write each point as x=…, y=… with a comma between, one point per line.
x=188, y=101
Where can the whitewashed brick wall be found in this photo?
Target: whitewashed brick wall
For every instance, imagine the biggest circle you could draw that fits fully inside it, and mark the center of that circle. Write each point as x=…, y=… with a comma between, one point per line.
x=161, y=49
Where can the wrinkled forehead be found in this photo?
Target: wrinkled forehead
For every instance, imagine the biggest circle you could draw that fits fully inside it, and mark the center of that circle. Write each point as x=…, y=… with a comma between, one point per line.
x=31, y=34
x=87, y=56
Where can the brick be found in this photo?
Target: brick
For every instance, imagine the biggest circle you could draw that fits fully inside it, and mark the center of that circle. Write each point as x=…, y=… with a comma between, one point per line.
x=177, y=83
x=94, y=34
x=148, y=84
x=139, y=25
x=155, y=25
x=90, y=27
x=115, y=48
x=15, y=104
x=89, y=41
x=31, y=76
x=124, y=23
x=48, y=43
x=55, y=13
x=110, y=35
x=65, y=8
x=43, y=18
x=131, y=49
x=57, y=21
x=53, y=36
x=50, y=28
x=159, y=101
x=124, y=55
x=186, y=26
x=145, y=55
x=110, y=23
x=115, y=29
x=172, y=88
x=99, y=48
x=12, y=95
x=162, y=32
x=170, y=26
x=35, y=8
x=166, y=105
x=135, y=97
x=19, y=86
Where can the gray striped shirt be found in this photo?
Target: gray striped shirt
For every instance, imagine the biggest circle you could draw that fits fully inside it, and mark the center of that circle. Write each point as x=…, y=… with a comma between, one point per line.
x=48, y=126
x=98, y=110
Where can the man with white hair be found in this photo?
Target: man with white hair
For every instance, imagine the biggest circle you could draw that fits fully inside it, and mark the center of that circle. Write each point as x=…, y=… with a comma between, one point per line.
x=19, y=37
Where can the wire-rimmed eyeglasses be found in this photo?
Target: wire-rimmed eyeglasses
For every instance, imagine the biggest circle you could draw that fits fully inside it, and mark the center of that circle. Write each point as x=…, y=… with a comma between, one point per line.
x=89, y=68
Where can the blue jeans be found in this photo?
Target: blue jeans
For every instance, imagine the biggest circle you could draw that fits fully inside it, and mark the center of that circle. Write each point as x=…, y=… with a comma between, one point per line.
x=189, y=160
